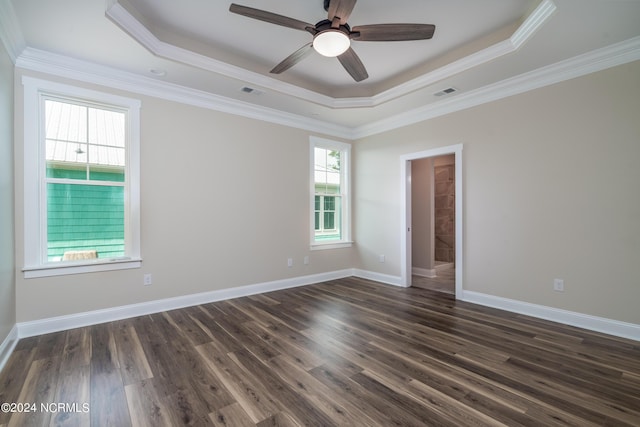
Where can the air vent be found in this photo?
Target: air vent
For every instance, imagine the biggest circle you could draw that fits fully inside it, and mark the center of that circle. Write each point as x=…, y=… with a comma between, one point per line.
x=158, y=72
x=446, y=91
x=252, y=91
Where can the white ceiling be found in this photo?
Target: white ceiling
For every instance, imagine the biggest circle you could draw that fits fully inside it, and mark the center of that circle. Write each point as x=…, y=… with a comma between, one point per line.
x=258, y=46
x=200, y=45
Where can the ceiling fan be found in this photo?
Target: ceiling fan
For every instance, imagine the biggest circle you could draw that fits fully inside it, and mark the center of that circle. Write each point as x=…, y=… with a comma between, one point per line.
x=332, y=37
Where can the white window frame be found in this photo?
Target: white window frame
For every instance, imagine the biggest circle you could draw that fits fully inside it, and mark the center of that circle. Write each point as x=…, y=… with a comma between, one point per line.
x=345, y=192
x=35, y=215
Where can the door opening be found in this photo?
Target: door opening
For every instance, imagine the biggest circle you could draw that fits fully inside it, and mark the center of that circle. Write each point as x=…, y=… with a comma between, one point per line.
x=432, y=218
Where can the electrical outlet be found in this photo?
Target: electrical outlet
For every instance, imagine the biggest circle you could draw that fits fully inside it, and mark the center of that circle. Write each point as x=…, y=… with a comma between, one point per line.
x=381, y=258
x=306, y=260
x=289, y=262
x=558, y=285
x=147, y=279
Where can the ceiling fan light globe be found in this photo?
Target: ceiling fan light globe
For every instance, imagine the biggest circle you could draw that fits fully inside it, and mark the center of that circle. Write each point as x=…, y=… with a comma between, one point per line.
x=331, y=43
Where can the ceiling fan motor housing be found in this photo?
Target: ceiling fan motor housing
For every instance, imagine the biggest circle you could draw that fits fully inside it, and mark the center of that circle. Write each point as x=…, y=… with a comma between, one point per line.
x=326, y=25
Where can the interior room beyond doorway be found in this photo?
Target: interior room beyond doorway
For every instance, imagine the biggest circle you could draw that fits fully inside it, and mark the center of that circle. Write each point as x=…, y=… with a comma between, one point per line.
x=433, y=223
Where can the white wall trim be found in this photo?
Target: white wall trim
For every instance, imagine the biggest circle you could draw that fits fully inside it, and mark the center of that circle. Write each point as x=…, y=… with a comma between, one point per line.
x=600, y=59
x=62, y=66
x=11, y=35
x=77, y=320
x=591, y=62
x=586, y=321
x=378, y=277
x=529, y=27
x=121, y=17
x=7, y=346
x=533, y=23
x=424, y=272
x=61, y=323
x=125, y=20
x=84, y=71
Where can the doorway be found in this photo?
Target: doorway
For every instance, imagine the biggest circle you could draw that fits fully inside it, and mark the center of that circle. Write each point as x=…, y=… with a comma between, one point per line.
x=436, y=171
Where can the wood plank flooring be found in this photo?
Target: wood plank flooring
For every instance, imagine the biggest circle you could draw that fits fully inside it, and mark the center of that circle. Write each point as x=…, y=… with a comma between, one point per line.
x=346, y=352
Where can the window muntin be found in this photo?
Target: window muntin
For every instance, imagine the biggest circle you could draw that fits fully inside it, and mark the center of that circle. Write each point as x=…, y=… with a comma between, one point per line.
x=330, y=190
x=81, y=182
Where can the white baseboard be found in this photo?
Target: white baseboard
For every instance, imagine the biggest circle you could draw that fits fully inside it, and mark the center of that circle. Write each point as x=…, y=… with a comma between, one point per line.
x=61, y=323
x=424, y=272
x=7, y=346
x=593, y=323
x=445, y=266
x=378, y=277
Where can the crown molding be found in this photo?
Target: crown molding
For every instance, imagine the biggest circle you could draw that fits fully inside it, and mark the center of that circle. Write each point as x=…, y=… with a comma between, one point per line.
x=53, y=64
x=121, y=17
x=533, y=23
x=597, y=60
x=125, y=20
x=71, y=68
x=525, y=31
x=10, y=32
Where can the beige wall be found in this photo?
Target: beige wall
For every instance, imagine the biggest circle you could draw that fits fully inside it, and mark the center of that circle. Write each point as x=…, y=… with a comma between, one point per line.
x=550, y=183
x=222, y=196
x=7, y=279
x=224, y=201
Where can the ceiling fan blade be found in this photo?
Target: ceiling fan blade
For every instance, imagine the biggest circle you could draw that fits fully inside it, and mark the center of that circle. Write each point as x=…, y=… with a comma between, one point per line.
x=270, y=17
x=392, y=32
x=341, y=9
x=351, y=62
x=293, y=59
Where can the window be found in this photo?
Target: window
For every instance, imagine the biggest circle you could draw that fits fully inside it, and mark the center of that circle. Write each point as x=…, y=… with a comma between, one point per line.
x=81, y=180
x=326, y=225
x=330, y=194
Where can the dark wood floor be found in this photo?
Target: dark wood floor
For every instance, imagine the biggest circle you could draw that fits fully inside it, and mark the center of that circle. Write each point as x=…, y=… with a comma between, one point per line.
x=347, y=352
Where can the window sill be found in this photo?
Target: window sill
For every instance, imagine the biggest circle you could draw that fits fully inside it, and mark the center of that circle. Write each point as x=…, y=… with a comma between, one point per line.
x=76, y=268
x=331, y=245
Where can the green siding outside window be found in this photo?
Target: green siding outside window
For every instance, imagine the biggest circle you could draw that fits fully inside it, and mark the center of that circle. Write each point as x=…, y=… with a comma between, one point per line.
x=85, y=217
